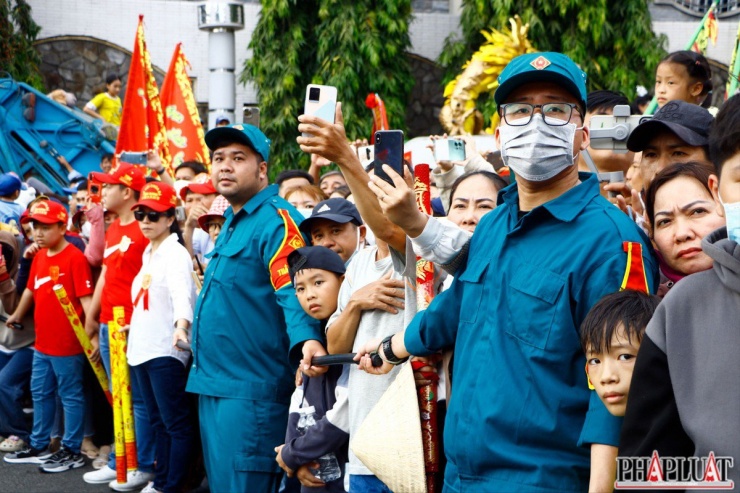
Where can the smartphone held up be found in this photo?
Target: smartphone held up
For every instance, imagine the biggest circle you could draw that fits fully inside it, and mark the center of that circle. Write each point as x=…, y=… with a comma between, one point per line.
x=321, y=101
x=388, y=150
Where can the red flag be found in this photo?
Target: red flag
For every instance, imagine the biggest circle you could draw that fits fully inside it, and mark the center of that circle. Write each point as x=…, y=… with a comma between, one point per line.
x=181, y=119
x=142, y=122
x=380, y=118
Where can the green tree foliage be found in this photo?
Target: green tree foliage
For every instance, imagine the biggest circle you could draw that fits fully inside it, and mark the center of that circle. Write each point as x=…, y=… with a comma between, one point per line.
x=358, y=47
x=612, y=41
x=18, y=31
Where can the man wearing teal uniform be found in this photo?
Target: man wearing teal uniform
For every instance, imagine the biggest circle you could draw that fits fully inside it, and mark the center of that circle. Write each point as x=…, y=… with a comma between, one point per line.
x=249, y=331
x=535, y=266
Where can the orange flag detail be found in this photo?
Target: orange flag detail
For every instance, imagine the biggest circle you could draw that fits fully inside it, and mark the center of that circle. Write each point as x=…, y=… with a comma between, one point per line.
x=142, y=122
x=634, y=273
x=185, y=135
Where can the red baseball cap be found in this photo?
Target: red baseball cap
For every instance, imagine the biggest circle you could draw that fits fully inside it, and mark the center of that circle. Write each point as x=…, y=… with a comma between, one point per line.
x=126, y=174
x=157, y=196
x=202, y=185
x=47, y=212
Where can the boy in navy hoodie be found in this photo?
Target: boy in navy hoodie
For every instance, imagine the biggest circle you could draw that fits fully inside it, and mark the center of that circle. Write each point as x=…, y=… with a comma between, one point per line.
x=317, y=273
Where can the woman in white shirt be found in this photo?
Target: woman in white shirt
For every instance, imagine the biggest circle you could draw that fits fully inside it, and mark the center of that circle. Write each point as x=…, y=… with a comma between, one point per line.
x=163, y=293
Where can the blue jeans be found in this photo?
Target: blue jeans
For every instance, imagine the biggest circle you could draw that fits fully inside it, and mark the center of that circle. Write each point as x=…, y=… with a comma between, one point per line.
x=162, y=384
x=367, y=484
x=144, y=433
x=15, y=373
x=49, y=375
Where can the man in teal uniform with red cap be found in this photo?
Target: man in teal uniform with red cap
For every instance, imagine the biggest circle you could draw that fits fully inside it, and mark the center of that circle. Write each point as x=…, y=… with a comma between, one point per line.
x=249, y=331
x=535, y=266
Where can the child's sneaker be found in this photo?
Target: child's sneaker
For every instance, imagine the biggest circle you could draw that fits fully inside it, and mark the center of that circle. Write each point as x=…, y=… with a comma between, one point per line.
x=12, y=444
x=28, y=455
x=150, y=488
x=63, y=460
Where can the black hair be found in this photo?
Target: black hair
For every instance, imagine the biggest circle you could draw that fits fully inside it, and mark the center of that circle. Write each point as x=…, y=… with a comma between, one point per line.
x=606, y=100
x=629, y=309
x=175, y=226
x=724, y=136
x=698, y=69
x=498, y=182
x=196, y=166
x=82, y=185
x=293, y=173
x=698, y=170
x=106, y=157
x=343, y=190
x=111, y=78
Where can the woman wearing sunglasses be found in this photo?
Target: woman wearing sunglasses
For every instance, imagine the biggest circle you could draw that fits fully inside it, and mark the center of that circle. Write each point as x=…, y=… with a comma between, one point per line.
x=163, y=293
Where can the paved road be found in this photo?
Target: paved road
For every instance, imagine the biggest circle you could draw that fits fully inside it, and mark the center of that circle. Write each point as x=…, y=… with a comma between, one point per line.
x=26, y=478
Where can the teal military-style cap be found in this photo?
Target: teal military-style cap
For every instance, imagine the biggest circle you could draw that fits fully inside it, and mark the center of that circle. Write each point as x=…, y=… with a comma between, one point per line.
x=239, y=133
x=542, y=67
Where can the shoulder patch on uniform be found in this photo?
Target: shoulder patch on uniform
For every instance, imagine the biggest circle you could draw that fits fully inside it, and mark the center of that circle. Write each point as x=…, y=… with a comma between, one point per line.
x=292, y=240
x=634, y=273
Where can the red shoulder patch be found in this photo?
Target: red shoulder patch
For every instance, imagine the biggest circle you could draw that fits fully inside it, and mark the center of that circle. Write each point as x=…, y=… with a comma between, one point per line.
x=292, y=240
x=634, y=273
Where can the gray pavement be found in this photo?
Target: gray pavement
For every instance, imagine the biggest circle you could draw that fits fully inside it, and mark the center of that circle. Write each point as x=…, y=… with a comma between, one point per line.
x=26, y=478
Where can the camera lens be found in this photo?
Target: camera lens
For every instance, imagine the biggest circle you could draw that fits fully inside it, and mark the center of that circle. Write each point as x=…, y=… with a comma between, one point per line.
x=314, y=93
x=377, y=137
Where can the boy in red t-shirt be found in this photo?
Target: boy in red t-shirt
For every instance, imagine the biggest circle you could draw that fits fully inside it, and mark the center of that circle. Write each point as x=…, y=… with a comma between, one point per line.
x=59, y=359
x=122, y=260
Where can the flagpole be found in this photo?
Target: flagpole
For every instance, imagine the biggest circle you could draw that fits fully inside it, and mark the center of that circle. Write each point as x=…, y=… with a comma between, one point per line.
x=654, y=103
x=734, y=70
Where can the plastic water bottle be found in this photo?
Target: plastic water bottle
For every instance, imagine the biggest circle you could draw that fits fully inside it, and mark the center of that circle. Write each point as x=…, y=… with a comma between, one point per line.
x=328, y=469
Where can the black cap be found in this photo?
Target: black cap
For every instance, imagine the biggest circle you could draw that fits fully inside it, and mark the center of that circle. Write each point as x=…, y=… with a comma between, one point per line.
x=689, y=122
x=314, y=257
x=338, y=210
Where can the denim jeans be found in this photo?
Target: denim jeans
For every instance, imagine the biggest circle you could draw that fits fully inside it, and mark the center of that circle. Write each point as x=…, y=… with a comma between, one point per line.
x=144, y=434
x=367, y=484
x=162, y=384
x=15, y=373
x=52, y=374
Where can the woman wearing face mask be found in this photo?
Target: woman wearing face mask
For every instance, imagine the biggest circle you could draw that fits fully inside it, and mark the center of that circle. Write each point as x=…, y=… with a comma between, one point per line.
x=305, y=197
x=163, y=293
x=681, y=212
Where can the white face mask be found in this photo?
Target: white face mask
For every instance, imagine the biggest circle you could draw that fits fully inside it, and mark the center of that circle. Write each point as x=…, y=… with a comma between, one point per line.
x=732, y=217
x=537, y=151
x=305, y=212
x=359, y=247
x=86, y=228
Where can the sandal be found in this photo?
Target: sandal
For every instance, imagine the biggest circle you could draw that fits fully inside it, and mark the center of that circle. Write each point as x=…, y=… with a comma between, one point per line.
x=89, y=449
x=12, y=444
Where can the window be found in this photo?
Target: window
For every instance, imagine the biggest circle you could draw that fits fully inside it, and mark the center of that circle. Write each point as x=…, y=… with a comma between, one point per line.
x=430, y=5
x=726, y=8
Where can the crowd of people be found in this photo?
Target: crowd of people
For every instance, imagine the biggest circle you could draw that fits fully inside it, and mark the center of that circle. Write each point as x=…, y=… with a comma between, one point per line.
x=232, y=285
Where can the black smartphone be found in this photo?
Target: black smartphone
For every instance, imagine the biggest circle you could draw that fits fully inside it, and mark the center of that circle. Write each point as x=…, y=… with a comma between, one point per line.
x=388, y=150
x=133, y=157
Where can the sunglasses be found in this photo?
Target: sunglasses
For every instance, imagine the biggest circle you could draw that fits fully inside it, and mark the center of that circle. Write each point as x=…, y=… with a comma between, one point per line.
x=153, y=216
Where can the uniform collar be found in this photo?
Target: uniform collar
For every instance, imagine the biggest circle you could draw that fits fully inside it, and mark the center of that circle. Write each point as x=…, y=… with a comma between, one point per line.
x=564, y=208
x=253, y=204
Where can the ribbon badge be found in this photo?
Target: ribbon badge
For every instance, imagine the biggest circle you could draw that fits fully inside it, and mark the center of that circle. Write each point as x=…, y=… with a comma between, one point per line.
x=146, y=281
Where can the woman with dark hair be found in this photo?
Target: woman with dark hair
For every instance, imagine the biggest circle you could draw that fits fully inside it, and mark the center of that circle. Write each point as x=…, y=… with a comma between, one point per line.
x=472, y=196
x=163, y=293
x=680, y=211
x=107, y=105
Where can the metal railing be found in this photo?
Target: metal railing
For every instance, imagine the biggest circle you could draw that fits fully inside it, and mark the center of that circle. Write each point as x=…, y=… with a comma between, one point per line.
x=698, y=8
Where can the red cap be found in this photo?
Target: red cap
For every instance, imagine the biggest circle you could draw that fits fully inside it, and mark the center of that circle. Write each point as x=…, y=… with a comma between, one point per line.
x=202, y=185
x=47, y=212
x=157, y=196
x=218, y=207
x=126, y=174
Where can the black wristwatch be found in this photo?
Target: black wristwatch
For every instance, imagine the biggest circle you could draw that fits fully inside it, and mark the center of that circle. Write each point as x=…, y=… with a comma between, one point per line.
x=160, y=170
x=390, y=357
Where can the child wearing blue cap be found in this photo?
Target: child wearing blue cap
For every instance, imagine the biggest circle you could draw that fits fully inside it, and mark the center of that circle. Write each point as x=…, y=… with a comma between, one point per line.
x=317, y=273
x=10, y=189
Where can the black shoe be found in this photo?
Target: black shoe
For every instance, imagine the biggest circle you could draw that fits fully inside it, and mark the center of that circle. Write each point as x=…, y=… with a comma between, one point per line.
x=63, y=460
x=28, y=455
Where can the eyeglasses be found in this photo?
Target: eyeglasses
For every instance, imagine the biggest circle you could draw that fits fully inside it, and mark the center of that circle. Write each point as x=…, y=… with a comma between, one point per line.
x=555, y=114
x=153, y=216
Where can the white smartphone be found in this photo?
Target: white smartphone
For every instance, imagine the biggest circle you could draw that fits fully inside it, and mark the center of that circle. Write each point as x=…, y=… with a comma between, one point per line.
x=321, y=101
x=449, y=150
x=366, y=155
